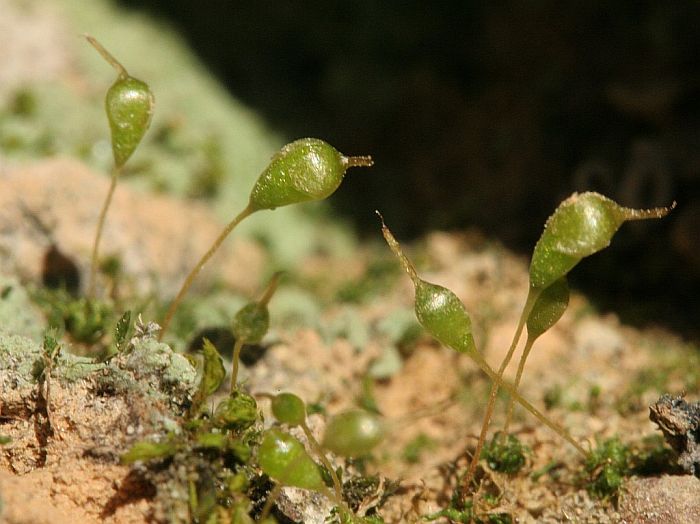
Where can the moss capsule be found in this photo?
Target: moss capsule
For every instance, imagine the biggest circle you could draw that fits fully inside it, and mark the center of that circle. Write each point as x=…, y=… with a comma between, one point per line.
x=437, y=308
x=548, y=308
x=304, y=170
x=283, y=458
x=354, y=433
x=129, y=105
x=289, y=409
x=582, y=225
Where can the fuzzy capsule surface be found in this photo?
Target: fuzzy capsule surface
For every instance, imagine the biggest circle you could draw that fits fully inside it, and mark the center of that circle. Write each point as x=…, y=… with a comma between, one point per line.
x=583, y=224
x=304, y=170
x=444, y=316
x=129, y=106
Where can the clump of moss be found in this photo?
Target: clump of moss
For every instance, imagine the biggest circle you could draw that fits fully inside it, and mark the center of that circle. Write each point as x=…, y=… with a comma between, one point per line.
x=606, y=468
x=505, y=453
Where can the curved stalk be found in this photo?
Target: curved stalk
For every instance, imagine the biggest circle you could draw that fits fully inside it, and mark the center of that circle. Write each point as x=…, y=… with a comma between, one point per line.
x=337, y=486
x=521, y=366
x=197, y=268
x=235, y=358
x=98, y=233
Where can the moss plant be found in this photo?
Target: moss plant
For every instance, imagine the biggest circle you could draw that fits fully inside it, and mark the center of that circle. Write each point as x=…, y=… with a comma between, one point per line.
x=606, y=467
x=129, y=106
x=582, y=225
x=305, y=170
x=444, y=316
x=505, y=454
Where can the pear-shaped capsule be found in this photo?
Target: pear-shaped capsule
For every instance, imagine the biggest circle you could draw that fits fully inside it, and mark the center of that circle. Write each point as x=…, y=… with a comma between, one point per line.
x=129, y=106
x=437, y=308
x=354, y=433
x=283, y=458
x=582, y=225
x=444, y=316
x=289, y=409
x=304, y=170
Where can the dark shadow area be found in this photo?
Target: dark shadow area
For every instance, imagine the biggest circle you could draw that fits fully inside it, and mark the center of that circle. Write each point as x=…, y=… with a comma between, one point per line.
x=60, y=272
x=488, y=114
x=223, y=341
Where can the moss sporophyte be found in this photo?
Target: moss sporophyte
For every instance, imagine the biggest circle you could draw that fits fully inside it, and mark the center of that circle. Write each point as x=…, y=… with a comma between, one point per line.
x=225, y=447
x=305, y=170
x=582, y=225
x=129, y=106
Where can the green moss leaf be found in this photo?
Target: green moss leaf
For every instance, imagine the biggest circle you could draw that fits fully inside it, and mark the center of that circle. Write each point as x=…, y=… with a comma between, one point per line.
x=213, y=372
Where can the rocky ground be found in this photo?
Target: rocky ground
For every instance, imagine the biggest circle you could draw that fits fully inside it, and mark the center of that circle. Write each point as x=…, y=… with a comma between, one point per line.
x=342, y=333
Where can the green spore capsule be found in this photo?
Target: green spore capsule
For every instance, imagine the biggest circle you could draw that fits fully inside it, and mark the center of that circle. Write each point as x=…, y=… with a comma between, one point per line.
x=129, y=105
x=548, y=308
x=239, y=412
x=582, y=225
x=283, y=458
x=437, y=308
x=354, y=433
x=289, y=409
x=213, y=374
x=304, y=170
x=251, y=323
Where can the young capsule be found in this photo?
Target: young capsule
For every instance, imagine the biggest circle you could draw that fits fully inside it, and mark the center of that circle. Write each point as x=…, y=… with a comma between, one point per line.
x=304, y=170
x=582, y=225
x=129, y=105
x=283, y=458
x=548, y=308
x=250, y=323
x=289, y=409
x=354, y=433
x=437, y=308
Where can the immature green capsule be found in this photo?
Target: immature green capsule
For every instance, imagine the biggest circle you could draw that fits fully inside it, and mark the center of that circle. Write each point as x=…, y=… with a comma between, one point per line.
x=437, y=308
x=548, y=308
x=284, y=459
x=289, y=409
x=353, y=433
x=582, y=225
x=129, y=106
x=251, y=323
x=304, y=170
x=444, y=316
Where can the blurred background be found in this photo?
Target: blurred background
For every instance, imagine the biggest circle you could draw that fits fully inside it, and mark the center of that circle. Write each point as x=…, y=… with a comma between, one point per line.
x=486, y=114
x=479, y=114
